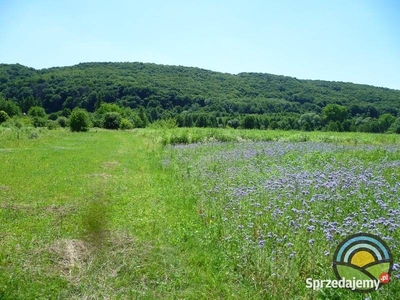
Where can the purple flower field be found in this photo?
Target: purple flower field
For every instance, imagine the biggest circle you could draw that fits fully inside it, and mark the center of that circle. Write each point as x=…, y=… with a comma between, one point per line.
x=294, y=201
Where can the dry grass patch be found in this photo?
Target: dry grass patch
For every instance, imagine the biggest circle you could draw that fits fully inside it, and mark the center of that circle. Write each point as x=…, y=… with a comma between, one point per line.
x=100, y=175
x=58, y=210
x=111, y=164
x=71, y=258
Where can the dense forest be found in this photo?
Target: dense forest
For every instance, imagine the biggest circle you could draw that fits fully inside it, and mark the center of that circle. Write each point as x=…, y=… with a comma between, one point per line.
x=138, y=94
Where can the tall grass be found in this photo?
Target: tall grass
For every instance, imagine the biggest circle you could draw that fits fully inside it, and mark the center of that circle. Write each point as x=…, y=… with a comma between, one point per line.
x=196, y=135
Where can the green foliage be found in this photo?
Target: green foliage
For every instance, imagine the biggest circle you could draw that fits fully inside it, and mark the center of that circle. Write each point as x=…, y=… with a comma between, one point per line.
x=334, y=126
x=395, y=127
x=112, y=120
x=273, y=125
x=39, y=121
x=79, y=120
x=51, y=124
x=249, y=122
x=306, y=126
x=125, y=124
x=62, y=121
x=3, y=116
x=37, y=111
x=145, y=93
x=386, y=120
x=165, y=124
x=314, y=121
x=66, y=112
x=335, y=112
x=143, y=120
x=202, y=120
x=133, y=85
x=108, y=107
x=234, y=123
x=10, y=107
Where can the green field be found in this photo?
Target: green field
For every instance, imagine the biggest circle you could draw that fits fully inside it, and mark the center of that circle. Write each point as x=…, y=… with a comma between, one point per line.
x=147, y=214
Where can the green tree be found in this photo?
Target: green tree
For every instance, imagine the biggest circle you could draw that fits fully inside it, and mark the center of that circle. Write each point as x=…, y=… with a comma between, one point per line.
x=334, y=126
x=79, y=120
x=335, y=112
x=112, y=120
x=108, y=107
x=125, y=124
x=188, y=120
x=305, y=126
x=27, y=103
x=10, y=107
x=143, y=117
x=202, y=120
x=386, y=120
x=37, y=111
x=62, y=121
x=395, y=127
x=234, y=123
x=3, y=116
x=273, y=125
x=313, y=120
x=66, y=112
x=249, y=122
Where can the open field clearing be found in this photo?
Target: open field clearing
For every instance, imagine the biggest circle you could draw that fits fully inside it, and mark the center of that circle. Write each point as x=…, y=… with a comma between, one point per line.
x=148, y=214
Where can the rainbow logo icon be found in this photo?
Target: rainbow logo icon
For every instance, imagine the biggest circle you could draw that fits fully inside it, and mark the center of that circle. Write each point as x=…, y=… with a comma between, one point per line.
x=363, y=257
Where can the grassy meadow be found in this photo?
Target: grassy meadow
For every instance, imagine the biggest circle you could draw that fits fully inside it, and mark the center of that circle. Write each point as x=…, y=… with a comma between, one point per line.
x=190, y=213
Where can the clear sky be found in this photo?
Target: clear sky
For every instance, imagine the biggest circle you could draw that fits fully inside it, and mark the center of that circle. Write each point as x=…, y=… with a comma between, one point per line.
x=342, y=40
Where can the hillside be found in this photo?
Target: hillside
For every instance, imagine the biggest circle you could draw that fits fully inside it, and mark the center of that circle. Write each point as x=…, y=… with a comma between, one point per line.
x=168, y=91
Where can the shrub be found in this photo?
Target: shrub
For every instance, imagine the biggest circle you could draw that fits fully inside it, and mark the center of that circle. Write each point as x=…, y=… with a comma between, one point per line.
x=125, y=124
x=395, y=127
x=10, y=107
x=112, y=120
x=37, y=111
x=62, y=121
x=79, y=120
x=249, y=122
x=39, y=121
x=234, y=123
x=108, y=107
x=52, y=124
x=53, y=116
x=3, y=116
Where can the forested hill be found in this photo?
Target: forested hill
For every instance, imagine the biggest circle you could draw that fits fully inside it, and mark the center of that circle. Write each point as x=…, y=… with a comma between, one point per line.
x=167, y=91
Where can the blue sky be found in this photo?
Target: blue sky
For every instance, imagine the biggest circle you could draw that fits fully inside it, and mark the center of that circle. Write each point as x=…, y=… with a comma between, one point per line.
x=351, y=40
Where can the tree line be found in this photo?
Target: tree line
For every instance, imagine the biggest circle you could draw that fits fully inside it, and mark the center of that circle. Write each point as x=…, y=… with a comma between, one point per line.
x=138, y=94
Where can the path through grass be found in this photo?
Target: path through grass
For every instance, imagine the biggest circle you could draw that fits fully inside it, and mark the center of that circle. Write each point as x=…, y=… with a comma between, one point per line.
x=93, y=215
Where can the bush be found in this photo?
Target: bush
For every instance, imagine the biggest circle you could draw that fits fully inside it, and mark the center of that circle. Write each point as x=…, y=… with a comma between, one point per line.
x=51, y=124
x=234, y=123
x=62, y=121
x=112, y=120
x=10, y=107
x=249, y=122
x=108, y=107
x=3, y=116
x=125, y=124
x=79, y=120
x=39, y=122
x=37, y=111
x=53, y=116
x=395, y=127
